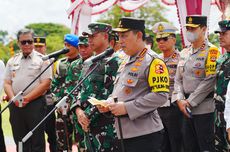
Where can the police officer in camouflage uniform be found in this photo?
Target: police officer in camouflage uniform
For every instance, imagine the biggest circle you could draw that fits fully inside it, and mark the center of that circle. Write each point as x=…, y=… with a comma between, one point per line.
x=59, y=88
x=99, y=133
x=73, y=76
x=141, y=86
x=170, y=115
x=223, y=73
x=194, y=87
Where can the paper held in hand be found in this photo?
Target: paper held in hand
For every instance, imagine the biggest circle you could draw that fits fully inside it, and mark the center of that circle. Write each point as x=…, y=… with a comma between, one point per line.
x=96, y=102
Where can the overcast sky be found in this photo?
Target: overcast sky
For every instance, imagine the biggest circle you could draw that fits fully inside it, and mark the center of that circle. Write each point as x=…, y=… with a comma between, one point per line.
x=15, y=14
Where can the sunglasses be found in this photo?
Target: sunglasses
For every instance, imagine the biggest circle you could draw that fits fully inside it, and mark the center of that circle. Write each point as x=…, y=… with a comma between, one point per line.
x=26, y=42
x=164, y=39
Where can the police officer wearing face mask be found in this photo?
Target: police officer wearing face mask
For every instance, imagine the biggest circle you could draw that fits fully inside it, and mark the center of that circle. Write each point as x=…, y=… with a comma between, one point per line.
x=194, y=87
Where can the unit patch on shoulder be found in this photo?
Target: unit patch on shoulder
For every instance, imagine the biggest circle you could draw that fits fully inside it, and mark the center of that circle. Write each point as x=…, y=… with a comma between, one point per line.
x=158, y=77
x=210, y=67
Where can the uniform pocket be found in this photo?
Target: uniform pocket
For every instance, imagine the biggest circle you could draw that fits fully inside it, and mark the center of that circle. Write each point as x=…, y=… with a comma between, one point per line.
x=14, y=68
x=34, y=70
x=198, y=69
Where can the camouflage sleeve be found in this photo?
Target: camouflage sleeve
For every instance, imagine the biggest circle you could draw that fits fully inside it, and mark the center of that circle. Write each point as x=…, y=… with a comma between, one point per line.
x=110, y=74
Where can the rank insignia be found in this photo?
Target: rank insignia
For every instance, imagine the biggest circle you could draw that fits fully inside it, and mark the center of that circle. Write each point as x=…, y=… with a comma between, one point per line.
x=129, y=81
x=134, y=69
x=137, y=64
x=127, y=90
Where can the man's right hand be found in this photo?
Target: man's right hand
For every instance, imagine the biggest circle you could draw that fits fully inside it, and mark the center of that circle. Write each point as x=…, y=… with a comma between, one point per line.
x=182, y=104
x=82, y=119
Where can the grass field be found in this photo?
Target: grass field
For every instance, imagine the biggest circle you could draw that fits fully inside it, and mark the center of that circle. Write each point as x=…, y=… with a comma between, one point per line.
x=5, y=121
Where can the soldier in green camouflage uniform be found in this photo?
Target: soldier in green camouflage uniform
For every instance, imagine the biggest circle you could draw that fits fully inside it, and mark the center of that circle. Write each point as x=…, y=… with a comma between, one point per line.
x=223, y=74
x=74, y=72
x=59, y=88
x=98, y=129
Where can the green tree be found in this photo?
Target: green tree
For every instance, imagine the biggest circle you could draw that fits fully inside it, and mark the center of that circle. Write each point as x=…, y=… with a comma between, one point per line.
x=214, y=39
x=54, y=34
x=3, y=35
x=152, y=13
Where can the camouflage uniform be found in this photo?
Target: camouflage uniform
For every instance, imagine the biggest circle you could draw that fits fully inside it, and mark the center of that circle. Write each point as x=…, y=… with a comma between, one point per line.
x=99, y=85
x=223, y=73
x=59, y=87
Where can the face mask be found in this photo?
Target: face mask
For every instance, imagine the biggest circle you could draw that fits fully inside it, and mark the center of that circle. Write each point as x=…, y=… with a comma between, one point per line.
x=191, y=37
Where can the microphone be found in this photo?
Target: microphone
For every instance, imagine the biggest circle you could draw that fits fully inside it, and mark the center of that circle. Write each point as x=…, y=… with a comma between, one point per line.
x=55, y=54
x=98, y=57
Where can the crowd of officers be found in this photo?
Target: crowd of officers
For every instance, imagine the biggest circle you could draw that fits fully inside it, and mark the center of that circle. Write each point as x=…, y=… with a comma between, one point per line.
x=171, y=102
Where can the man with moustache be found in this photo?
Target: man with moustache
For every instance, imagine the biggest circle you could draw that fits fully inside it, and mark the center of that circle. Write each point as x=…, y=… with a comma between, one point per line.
x=21, y=70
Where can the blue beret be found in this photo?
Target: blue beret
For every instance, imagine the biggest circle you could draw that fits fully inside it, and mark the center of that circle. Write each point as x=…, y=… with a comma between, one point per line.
x=71, y=39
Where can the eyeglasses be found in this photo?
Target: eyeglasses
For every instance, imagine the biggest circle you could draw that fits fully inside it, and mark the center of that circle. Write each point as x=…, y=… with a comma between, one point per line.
x=164, y=39
x=27, y=42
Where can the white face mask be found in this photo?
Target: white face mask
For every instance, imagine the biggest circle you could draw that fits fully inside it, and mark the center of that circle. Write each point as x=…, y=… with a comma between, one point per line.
x=191, y=37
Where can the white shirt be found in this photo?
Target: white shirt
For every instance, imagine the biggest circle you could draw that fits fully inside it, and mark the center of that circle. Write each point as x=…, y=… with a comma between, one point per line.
x=227, y=108
x=2, y=73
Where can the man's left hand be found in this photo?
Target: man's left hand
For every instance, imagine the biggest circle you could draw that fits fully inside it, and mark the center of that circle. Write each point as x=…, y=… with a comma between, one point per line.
x=118, y=109
x=24, y=102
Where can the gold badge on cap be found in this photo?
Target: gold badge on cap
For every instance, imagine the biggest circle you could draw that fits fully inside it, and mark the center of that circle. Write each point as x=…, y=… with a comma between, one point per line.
x=38, y=40
x=190, y=20
x=120, y=25
x=160, y=28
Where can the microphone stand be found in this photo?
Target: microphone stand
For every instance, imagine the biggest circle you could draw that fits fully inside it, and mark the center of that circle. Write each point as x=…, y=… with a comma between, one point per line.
x=120, y=129
x=18, y=97
x=64, y=108
x=61, y=103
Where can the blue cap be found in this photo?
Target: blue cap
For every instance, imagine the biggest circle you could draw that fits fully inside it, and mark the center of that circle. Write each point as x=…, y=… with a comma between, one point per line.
x=71, y=39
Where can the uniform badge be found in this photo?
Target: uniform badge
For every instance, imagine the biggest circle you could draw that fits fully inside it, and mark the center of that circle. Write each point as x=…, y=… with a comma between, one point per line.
x=129, y=81
x=159, y=69
x=127, y=90
x=174, y=56
x=190, y=20
x=198, y=64
x=160, y=28
x=197, y=73
x=158, y=77
x=134, y=69
x=137, y=63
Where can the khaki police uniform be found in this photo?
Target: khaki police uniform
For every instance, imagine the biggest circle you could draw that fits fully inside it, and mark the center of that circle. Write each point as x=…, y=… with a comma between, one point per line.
x=21, y=71
x=194, y=82
x=169, y=113
x=141, y=96
x=195, y=78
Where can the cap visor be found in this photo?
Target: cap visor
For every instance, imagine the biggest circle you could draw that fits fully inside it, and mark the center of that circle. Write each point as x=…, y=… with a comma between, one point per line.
x=192, y=25
x=80, y=43
x=162, y=35
x=121, y=29
x=219, y=30
x=39, y=44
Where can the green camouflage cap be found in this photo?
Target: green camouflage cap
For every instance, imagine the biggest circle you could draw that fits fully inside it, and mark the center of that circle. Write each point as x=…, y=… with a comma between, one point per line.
x=224, y=26
x=97, y=27
x=83, y=40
